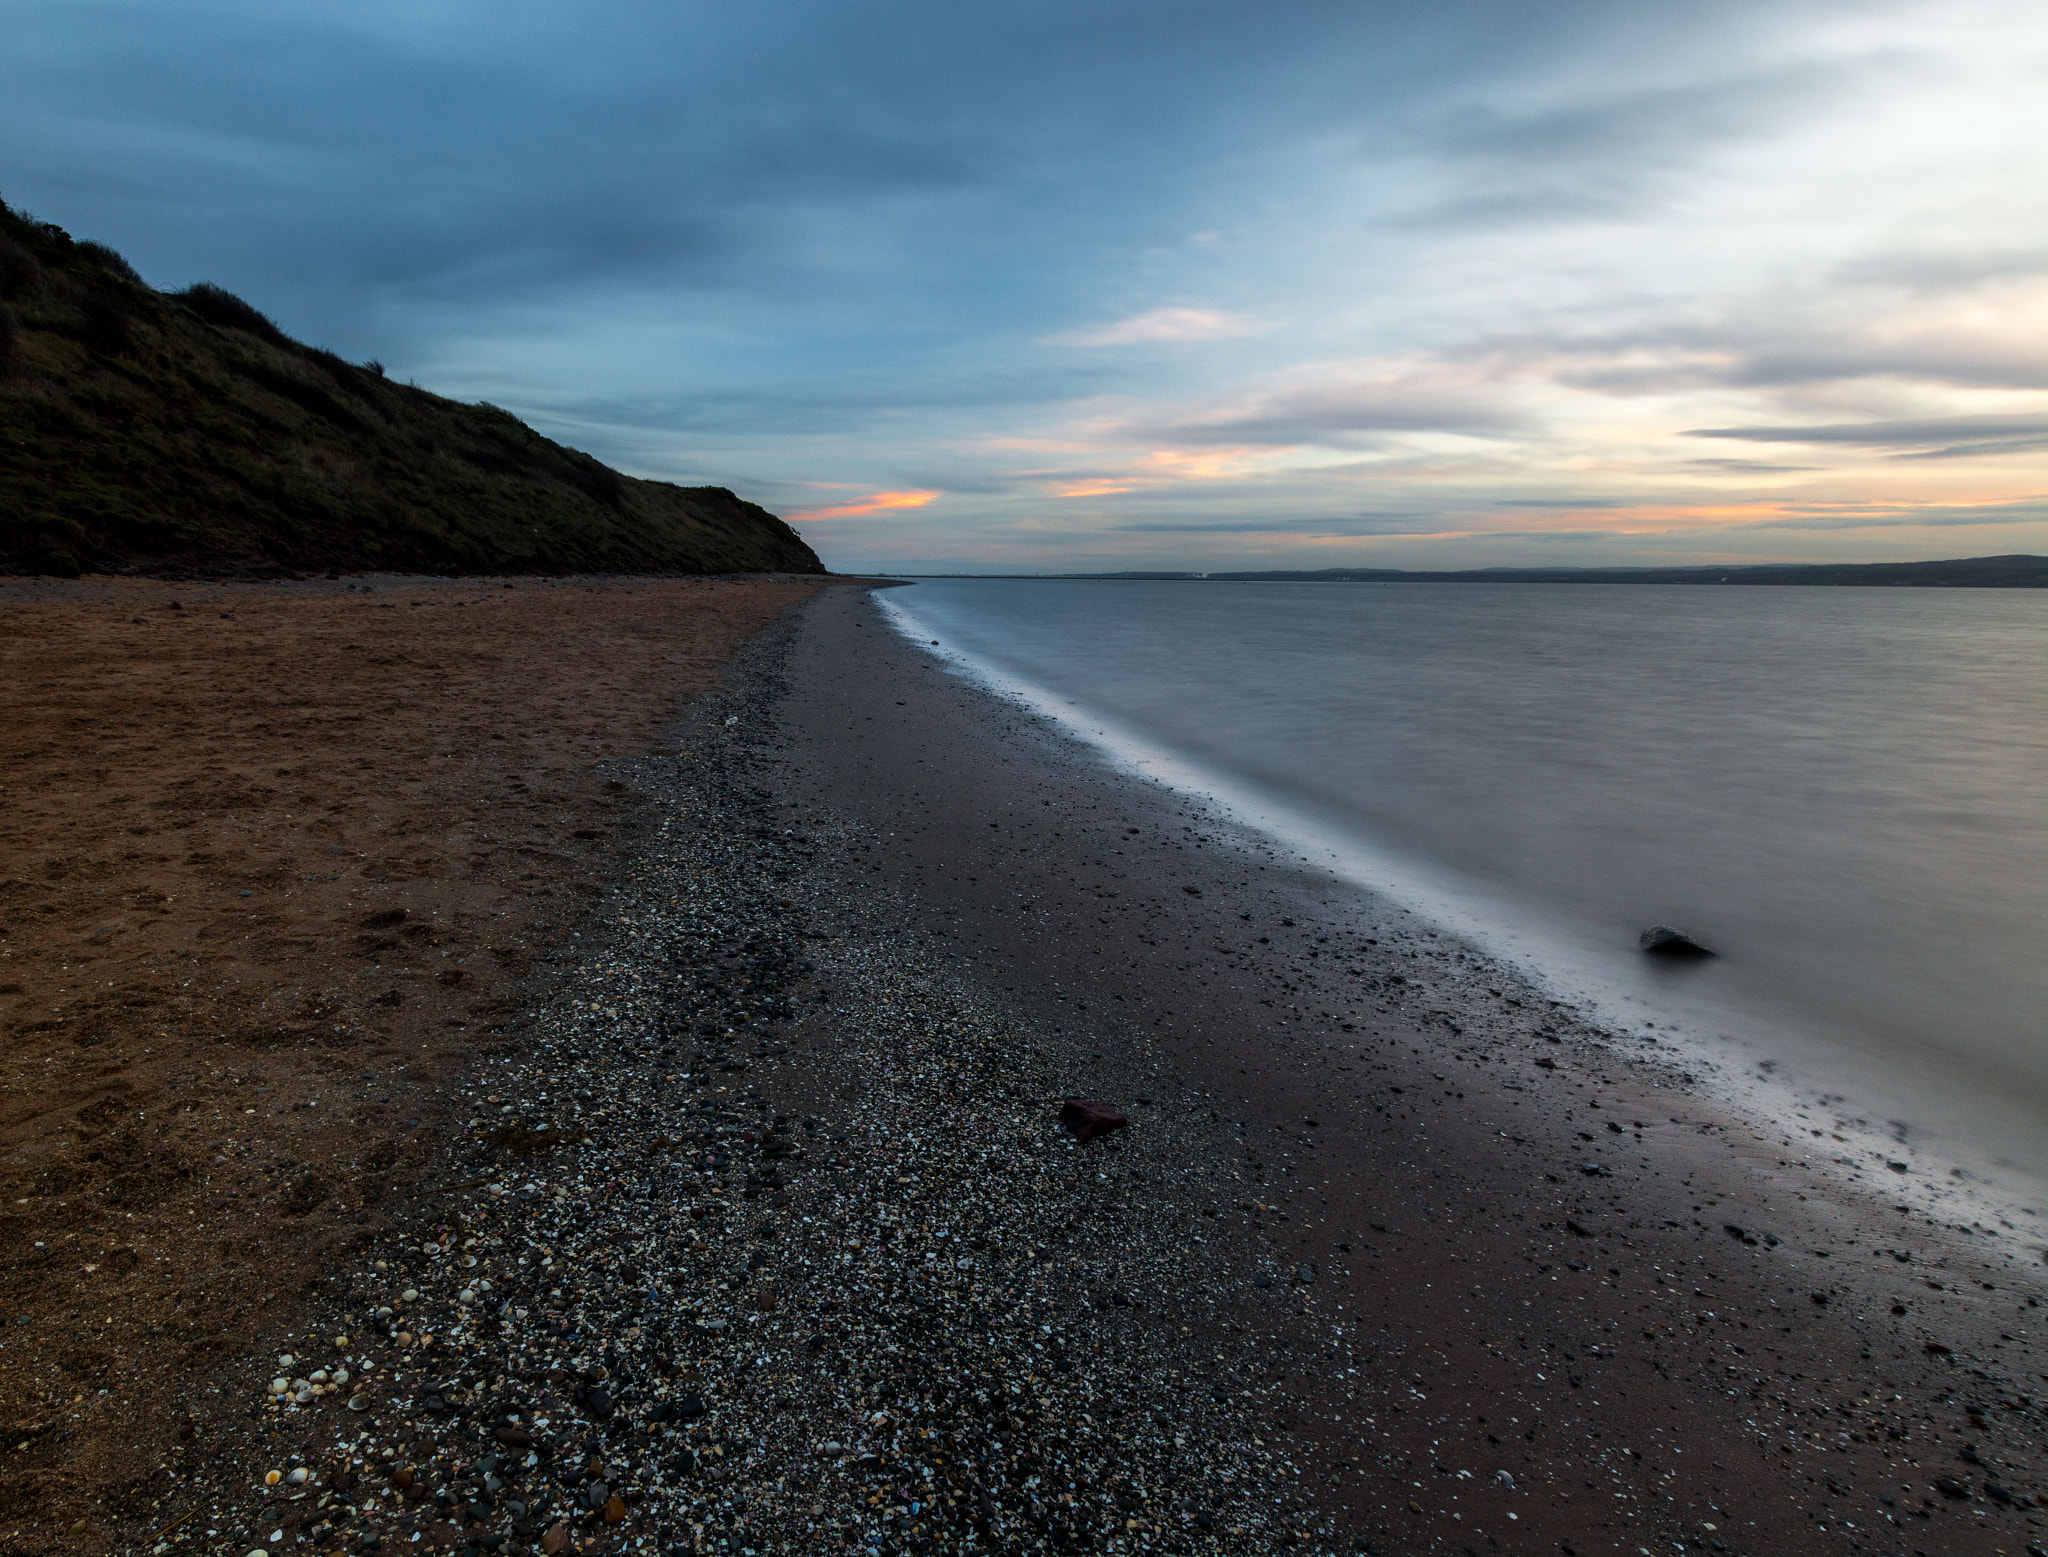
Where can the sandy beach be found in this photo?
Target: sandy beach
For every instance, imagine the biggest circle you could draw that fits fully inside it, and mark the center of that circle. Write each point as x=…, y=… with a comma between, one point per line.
x=736, y=1213
x=276, y=859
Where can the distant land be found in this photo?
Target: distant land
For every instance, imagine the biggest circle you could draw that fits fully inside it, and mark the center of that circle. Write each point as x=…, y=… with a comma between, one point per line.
x=2011, y=572
x=185, y=433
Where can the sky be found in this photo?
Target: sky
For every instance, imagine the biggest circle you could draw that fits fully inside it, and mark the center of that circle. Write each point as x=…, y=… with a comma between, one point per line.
x=1121, y=284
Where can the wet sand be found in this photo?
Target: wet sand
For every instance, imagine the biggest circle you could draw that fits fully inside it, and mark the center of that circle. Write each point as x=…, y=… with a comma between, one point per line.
x=1557, y=1299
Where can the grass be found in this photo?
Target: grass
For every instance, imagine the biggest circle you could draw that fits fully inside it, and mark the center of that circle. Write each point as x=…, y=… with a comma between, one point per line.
x=152, y=432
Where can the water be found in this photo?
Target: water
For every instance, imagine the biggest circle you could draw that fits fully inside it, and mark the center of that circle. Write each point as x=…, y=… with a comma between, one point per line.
x=1844, y=792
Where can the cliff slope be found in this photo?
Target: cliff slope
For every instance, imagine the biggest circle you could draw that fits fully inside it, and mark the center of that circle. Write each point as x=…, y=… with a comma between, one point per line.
x=152, y=432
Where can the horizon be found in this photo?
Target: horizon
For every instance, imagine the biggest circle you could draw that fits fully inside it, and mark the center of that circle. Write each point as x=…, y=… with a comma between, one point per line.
x=1134, y=287
x=1197, y=575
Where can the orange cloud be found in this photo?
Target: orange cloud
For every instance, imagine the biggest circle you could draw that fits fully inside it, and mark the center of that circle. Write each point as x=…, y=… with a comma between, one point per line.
x=880, y=503
x=1096, y=488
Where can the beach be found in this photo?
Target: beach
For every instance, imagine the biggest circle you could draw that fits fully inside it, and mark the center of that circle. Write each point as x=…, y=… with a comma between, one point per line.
x=740, y=1214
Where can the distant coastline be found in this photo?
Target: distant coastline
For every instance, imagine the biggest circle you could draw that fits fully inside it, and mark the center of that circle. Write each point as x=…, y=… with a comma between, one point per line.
x=2017, y=571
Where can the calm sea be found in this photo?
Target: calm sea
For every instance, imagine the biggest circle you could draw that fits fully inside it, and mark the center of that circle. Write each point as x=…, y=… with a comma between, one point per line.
x=1844, y=792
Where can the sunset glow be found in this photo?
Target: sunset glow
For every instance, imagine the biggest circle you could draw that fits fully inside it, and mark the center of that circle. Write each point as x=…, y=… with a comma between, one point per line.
x=880, y=503
x=1433, y=286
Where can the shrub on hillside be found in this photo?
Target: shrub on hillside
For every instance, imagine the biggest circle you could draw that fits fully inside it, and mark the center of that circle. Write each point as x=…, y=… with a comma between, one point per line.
x=218, y=306
x=20, y=271
x=10, y=341
x=109, y=260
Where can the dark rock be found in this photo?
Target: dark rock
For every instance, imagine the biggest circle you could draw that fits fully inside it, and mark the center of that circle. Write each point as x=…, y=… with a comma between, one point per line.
x=1085, y=1121
x=513, y=1437
x=1949, y=1487
x=690, y=1407
x=598, y=1404
x=1660, y=940
x=1593, y=1170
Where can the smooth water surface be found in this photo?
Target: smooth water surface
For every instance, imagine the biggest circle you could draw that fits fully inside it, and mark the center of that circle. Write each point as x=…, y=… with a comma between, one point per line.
x=1843, y=791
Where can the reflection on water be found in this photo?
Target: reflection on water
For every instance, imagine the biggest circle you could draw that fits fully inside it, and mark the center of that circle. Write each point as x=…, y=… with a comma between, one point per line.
x=1843, y=791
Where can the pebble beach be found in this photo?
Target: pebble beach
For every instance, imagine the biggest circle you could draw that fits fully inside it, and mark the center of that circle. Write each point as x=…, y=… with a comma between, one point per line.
x=761, y=1223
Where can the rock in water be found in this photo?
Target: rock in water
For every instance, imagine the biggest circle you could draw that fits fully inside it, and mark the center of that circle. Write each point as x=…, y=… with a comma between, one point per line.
x=1660, y=940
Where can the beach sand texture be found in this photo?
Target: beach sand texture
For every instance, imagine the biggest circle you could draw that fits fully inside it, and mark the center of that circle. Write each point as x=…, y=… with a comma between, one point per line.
x=272, y=858
x=855, y=930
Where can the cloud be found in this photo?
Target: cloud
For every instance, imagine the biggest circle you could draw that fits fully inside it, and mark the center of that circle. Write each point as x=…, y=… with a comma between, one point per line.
x=880, y=503
x=1433, y=266
x=1388, y=523
x=1589, y=155
x=1162, y=324
x=1347, y=413
x=1932, y=437
x=2028, y=510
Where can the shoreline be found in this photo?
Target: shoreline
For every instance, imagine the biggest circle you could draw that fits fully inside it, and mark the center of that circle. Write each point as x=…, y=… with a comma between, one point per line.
x=956, y=758
x=1952, y=1174
x=1328, y=1291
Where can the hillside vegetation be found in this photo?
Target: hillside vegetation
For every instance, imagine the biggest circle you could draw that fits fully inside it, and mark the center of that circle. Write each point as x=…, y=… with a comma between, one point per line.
x=152, y=432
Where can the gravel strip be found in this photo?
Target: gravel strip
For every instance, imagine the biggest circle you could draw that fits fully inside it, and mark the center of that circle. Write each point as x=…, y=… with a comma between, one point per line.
x=764, y=1236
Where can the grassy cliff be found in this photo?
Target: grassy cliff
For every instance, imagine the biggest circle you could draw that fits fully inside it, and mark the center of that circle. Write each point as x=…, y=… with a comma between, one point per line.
x=152, y=432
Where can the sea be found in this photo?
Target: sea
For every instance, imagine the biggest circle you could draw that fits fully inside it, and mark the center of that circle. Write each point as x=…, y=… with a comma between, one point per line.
x=1842, y=792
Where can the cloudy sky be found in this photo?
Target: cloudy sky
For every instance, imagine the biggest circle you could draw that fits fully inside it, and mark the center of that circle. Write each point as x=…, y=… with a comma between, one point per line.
x=1010, y=286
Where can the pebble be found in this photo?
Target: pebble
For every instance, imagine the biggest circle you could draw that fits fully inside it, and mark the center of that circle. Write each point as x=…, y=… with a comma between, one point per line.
x=706, y=1318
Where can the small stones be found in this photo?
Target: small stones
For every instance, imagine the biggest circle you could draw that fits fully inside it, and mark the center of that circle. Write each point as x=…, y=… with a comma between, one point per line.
x=634, y=1337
